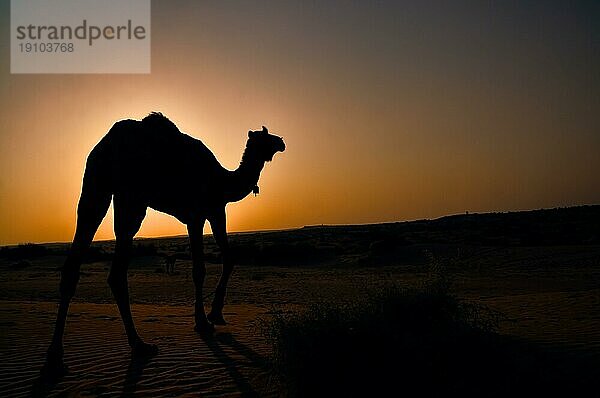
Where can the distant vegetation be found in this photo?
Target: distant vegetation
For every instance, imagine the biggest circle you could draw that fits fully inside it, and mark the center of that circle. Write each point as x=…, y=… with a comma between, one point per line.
x=24, y=250
x=368, y=245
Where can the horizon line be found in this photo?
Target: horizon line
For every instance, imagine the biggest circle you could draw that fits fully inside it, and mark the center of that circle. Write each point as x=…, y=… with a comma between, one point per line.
x=467, y=212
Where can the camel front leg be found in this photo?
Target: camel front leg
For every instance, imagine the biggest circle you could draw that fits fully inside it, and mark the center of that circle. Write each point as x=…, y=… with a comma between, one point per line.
x=218, y=225
x=198, y=272
x=54, y=366
x=87, y=223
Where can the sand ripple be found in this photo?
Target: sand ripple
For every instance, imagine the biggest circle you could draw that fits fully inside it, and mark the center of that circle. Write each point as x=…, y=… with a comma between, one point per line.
x=231, y=364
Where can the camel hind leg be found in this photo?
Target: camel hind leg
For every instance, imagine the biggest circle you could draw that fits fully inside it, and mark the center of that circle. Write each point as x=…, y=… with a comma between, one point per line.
x=92, y=207
x=128, y=219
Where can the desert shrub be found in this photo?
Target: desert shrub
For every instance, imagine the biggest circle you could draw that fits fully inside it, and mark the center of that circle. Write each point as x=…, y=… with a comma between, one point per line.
x=96, y=254
x=287, y=253
x=422, y=341
x=282, y=253
x=21, y=265
x=24, y=250
x=143, y=249
x=393, y=252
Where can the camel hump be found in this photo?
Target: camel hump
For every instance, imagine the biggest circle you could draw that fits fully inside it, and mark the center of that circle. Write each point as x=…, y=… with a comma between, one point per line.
x=156, y=121
x=154, y=131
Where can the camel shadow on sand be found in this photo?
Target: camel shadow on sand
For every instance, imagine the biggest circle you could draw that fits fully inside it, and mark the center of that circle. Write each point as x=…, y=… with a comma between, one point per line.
x=219, y=344
x=134, y=374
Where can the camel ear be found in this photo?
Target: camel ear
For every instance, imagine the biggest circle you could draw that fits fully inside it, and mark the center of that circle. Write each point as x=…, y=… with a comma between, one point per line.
x=251, y=133
x=265, y=130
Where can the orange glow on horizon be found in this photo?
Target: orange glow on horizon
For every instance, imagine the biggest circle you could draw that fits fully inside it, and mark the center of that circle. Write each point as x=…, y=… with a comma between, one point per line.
x=376, y=129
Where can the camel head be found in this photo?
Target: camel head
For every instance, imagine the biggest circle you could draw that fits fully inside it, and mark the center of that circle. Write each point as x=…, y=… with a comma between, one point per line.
x=265, y=145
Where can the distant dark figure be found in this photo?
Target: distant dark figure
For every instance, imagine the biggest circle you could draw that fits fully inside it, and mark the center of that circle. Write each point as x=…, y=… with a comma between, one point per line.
x=170, y=263
x=150, y=163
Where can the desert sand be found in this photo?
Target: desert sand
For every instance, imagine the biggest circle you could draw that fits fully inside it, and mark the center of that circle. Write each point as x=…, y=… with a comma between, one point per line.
x=548, y=296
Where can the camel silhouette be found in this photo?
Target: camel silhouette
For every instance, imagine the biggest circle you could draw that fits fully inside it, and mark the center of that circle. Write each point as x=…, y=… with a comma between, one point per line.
x=170, y=260
x=150, y=163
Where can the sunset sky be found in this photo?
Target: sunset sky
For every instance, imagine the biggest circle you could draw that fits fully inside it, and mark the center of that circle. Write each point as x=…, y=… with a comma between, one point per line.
x=390, y=111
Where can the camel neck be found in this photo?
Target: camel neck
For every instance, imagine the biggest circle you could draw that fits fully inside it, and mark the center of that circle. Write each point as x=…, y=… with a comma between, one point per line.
x=243, y=180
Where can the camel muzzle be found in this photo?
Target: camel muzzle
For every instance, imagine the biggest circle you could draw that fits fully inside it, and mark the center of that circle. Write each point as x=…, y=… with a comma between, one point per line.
x=281, y=146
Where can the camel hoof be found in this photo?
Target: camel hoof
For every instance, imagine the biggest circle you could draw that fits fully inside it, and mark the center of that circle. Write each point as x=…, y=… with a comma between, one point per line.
x=53, y=370
x=144, y=350
x=216, y=319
